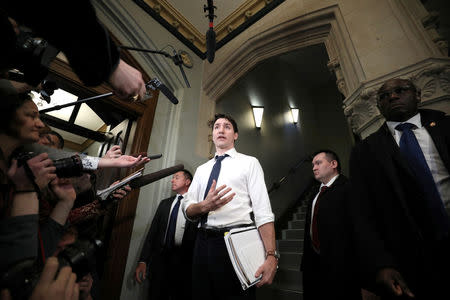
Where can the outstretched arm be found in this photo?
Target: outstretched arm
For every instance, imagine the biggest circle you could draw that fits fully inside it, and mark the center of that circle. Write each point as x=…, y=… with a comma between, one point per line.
x=123, y=161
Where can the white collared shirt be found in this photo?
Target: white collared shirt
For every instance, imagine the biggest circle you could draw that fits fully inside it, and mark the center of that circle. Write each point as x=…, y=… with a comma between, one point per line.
x=245, y=176
x=181, y=221
x=329, y=183
x=440, y=174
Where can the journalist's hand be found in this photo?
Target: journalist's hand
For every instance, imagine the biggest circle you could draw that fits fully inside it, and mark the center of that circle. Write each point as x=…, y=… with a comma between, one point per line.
x=43, y=169
x=139, y=274
x=5, y=295
x=19, y=177
x=63, y=189
x=114, y=152
x=124, y=161
x=63, y=287
x=121, y=193
x=85, y=286
x=127, y=82
x=392, y=283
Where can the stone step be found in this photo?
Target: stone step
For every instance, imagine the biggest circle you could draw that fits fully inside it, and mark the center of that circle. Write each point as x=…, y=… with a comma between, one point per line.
x=288, y=279
x=302, y=209
x=295, y=234
x=299, y=216
x=270, y=293
x=287, y=283
x=290, y=260
x=297, y=224
x=290, y=246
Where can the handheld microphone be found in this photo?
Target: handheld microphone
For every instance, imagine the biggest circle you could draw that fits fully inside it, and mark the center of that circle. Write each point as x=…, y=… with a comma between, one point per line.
x=156, y=84
x=152, y=177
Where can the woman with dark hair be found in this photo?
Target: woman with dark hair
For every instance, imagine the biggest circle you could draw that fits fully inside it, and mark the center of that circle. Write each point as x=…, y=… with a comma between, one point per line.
x=20, y=182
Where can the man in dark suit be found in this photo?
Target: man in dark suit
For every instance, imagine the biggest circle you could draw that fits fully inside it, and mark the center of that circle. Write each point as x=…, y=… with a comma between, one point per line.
x=401, y=184
x=168, y=247
x=327, y=264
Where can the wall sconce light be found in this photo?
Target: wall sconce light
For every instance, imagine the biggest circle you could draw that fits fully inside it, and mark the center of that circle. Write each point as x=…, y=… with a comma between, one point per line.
x=295, y=112
x=257, y=115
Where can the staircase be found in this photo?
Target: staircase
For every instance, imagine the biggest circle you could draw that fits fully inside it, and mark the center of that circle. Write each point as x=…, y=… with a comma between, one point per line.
x=287, y=284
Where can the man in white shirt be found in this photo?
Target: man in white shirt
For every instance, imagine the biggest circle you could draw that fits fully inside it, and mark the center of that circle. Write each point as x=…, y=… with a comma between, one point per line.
x=401, y=186
x=167, y=252
x=237, y=195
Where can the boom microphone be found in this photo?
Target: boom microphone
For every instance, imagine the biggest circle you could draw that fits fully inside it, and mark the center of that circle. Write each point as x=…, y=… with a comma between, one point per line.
x=210, y=34
x=152, y=177
x=210, y=44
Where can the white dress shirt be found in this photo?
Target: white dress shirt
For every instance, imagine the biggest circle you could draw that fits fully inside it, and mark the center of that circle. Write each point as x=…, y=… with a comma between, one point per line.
x=181, y=221
x=440, y=174
x=245, y=176
x=329, y=183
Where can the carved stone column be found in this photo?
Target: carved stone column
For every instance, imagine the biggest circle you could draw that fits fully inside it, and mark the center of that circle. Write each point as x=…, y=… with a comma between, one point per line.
x=430, y=23
x=334, y=66
x=434, y=82
x=363, y=111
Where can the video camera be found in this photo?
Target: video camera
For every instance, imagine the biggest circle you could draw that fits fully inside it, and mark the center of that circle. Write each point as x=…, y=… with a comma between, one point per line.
x=21, y=278
x=32, y=57
x=65, y=167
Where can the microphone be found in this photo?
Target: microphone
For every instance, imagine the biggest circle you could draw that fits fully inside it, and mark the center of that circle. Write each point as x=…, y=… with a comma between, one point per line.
x=210, y=44
x=156, y=84
x=176, y=58
x=179, y=62
x=210, y=34
x=152, y=177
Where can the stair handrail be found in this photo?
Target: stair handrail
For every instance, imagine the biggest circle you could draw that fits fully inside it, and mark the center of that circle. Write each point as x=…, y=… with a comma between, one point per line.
x=276, y=185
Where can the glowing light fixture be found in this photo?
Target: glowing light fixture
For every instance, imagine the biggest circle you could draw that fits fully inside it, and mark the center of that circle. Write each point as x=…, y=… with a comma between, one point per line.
x=295, y=112
x=257, y=114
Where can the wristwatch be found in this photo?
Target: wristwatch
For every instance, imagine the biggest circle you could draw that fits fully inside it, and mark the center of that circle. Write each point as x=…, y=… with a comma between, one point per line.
x=273, y=253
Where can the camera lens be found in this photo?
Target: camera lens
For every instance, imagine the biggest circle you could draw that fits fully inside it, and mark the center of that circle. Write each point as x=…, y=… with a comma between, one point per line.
x=68, y=167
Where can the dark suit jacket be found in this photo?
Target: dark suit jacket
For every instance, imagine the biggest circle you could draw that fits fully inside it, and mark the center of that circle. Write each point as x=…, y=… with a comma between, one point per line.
x=330, y=275
x=156, y=256
x=390, y=215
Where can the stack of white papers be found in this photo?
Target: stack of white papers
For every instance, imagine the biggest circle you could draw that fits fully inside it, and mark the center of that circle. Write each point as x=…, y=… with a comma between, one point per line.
x=103, y=194
x=247, y=254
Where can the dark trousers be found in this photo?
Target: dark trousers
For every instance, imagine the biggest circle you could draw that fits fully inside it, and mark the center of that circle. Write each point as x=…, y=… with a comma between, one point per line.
x=213, y=276
x=321, y=281
x=173, y=281
x=432, y=276
x=311, y=278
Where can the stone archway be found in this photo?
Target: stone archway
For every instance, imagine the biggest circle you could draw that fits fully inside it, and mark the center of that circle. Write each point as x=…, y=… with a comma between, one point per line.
x=327, y=25
x=322, y=26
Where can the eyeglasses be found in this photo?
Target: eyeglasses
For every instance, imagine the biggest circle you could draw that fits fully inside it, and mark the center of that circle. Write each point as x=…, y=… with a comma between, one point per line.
x=399, y=90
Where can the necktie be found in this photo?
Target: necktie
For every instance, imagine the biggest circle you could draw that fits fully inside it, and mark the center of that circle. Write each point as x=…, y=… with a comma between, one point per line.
x=170, y=236
x=410, y=149
x=213, y=176
x=314, y=230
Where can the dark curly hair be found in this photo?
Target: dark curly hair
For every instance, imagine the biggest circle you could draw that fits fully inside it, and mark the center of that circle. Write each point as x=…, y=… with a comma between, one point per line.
x=223, y=116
